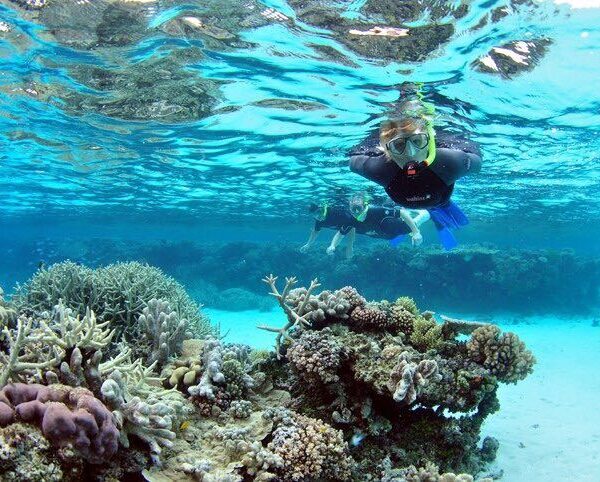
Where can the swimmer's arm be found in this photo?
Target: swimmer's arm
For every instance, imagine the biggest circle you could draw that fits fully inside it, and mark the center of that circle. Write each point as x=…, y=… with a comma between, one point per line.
x=314, y=232
x=422, y=217
x=452, y=164
x=405, y=215
x=374, y=166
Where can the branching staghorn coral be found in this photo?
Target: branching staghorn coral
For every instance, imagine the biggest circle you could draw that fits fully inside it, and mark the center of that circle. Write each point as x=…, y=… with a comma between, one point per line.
x=20, y=359
x=32, y=350
x=7, y=313
x=66, y=331
x=162, y=329
x=295, y=320
x=118, y=292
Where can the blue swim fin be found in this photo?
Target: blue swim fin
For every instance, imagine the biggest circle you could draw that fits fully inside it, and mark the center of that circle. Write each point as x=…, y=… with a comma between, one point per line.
x=447, y=239
x=397, y=240
x=449, y=216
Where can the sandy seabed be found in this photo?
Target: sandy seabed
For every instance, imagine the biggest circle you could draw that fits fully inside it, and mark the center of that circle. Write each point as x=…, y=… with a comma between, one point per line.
x=548, y=425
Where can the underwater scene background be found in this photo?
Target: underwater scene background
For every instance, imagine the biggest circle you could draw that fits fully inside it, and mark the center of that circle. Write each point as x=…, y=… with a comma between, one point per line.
x=159, y=320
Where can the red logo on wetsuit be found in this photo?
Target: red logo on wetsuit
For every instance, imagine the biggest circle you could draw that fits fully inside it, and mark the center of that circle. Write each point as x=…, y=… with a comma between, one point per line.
x=411, y=169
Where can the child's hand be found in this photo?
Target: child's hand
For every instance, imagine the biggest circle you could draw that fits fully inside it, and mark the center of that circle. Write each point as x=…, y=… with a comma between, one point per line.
x=416, y=238
x=331, y=250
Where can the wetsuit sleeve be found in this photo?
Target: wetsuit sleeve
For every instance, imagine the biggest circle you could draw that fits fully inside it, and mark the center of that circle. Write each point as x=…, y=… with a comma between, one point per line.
x=452, y=164
x=374, y=166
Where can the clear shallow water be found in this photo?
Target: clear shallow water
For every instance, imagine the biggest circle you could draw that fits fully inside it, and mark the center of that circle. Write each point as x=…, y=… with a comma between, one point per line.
x=285, y=102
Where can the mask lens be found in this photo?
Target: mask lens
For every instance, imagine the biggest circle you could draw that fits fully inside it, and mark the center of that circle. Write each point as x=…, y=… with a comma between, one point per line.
x=419, y=140
x=397, y=145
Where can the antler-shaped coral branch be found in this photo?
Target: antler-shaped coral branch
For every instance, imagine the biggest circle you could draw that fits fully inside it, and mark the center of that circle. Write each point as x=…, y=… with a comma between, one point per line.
x=295, y=319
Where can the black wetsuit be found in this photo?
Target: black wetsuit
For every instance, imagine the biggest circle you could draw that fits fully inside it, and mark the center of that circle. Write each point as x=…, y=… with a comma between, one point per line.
x=416, y=185
x=380, y=222
x=383, y=223
x=337, y=218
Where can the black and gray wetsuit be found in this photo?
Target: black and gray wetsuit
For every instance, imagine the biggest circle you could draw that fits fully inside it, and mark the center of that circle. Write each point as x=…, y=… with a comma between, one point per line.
x=337, y=218
x=416, y=185
x=382, y=222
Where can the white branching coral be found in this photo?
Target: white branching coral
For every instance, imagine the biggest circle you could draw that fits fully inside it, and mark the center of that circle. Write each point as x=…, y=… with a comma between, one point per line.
x=67, y=331
x=163, y=330
x=20, y=360
x=295, y=319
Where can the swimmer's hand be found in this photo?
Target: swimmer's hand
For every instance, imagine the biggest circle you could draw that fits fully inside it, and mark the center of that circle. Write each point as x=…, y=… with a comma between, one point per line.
x=331, y=250
x=416, y=238
x=304, y=248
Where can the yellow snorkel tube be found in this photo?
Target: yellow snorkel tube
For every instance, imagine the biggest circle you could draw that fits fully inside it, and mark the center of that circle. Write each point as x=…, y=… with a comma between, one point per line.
x=426, y=111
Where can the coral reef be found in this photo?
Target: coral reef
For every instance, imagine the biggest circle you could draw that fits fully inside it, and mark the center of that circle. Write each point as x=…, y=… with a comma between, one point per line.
x=355, y=390
x=499, y=279
x=25, y=454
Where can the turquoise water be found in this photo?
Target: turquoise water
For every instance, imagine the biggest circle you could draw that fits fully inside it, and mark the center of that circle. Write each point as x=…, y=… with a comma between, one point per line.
x=193, y=135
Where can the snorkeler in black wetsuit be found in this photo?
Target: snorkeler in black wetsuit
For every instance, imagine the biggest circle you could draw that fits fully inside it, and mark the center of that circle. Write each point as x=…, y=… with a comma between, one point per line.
x=418, y=168
x=392, y=223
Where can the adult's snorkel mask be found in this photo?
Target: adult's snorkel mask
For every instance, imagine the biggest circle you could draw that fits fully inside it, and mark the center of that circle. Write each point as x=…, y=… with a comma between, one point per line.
x=418, y=107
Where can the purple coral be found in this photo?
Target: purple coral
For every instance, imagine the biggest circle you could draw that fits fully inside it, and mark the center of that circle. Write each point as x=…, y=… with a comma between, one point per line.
x=66, y=415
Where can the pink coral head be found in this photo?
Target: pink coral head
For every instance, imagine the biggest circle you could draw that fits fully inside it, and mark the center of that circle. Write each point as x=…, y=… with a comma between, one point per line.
x=32, y=412
x=7, y=414
x=17, y=393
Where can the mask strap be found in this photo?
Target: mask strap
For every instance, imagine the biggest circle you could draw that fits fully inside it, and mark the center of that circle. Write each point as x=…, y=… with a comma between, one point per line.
x=324, y=208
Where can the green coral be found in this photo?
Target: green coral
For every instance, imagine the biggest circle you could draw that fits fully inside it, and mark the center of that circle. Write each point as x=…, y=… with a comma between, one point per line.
x=408, y=304
x=426, y=335
x=118, y=292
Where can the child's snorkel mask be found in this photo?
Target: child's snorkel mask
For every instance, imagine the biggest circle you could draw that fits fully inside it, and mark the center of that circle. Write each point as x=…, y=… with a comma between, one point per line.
x=359, y=207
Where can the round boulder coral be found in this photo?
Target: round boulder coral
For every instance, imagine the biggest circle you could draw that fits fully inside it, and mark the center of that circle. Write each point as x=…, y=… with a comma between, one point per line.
x=505, y=355
x=317, y=354
x=369, y=318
